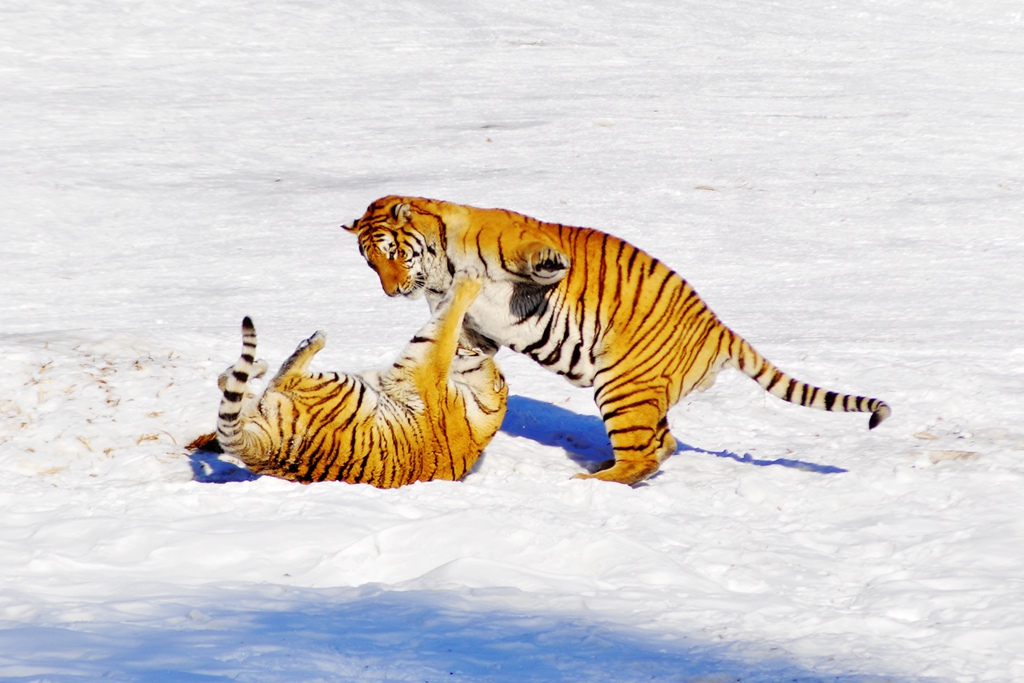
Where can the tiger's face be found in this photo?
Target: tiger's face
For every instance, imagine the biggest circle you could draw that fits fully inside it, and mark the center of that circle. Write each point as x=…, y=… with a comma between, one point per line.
x=397, y=263
x=408, y=260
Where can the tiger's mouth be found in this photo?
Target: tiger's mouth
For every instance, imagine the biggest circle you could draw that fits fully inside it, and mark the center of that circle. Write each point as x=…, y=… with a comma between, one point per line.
x=413, y=289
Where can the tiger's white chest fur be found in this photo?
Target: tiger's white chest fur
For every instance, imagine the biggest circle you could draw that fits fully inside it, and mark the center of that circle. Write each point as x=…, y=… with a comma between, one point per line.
x=524, y=319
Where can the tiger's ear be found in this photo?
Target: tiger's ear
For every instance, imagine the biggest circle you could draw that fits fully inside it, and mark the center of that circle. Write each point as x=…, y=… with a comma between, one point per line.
x=351, y=227
x=401, y=212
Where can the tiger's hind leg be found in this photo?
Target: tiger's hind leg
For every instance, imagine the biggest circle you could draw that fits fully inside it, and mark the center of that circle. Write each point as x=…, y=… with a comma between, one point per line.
x=298, y=362
x=637, y=425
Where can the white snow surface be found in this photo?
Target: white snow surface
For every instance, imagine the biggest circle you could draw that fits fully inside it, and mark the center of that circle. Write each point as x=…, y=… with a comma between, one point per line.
x=842, y=182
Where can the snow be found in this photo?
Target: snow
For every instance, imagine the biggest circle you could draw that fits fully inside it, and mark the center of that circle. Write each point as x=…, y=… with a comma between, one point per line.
x=843, y=184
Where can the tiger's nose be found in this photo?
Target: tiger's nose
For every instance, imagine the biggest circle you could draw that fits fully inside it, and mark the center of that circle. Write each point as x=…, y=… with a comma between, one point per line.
x=390, y=278
x=391, y=288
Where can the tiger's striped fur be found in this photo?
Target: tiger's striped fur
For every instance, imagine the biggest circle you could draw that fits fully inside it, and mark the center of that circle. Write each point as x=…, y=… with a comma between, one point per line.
x=581, y=303
x=428, y=416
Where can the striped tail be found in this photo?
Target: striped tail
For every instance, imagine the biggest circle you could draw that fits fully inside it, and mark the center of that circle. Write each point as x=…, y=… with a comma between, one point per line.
x=777, y=383
x=234, y=384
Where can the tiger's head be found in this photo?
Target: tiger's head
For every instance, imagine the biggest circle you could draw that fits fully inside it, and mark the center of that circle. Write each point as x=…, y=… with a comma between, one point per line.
x=404, y=246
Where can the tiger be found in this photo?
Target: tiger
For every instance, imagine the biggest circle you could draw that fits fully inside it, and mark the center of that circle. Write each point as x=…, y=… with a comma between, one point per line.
x=428, y=416
x=584, y=304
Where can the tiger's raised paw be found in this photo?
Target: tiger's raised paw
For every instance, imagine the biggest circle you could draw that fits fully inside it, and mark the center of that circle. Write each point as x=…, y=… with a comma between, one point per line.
x=468, y=274
x=547, y=265
x=259, y=368
x=469, y=279
x=317, y=340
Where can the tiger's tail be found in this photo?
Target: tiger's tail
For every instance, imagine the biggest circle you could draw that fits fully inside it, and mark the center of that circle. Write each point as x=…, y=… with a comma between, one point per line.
x=234, y=384
x=777, y=383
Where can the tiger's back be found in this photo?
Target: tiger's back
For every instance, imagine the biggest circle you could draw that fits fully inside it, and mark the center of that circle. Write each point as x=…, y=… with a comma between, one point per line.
x=584, y=304
x=428, y=416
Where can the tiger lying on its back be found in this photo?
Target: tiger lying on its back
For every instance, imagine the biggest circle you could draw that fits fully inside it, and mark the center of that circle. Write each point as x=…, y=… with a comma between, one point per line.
x=584, y=304
x=426, y=417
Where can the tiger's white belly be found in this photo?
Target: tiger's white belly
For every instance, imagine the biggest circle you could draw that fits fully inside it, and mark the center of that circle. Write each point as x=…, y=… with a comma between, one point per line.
x=560, y=349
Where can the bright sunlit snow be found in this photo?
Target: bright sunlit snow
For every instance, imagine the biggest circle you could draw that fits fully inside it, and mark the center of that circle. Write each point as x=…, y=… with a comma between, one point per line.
x=843, y=184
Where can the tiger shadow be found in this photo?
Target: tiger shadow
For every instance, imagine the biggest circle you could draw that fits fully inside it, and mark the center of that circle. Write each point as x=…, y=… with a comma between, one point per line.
x=584, y=439
x=209, y=466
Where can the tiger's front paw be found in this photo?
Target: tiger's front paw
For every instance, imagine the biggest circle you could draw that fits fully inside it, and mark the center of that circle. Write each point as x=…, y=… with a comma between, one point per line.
x=468, y=274
x=546, y=265
x=259, y=368
x=314, y=343
x=468, y=279
x=467, y=352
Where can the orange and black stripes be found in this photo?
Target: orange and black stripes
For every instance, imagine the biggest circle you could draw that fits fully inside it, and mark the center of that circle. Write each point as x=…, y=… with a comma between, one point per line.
x=778, y=383
x=602, y=313
x=428, y=416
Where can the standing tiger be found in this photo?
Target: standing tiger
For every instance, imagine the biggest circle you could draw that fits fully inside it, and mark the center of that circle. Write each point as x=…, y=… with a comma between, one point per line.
x=426, y=417
x=583, y=304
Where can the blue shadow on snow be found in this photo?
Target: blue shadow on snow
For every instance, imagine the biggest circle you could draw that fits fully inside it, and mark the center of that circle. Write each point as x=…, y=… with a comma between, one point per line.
x=584, y=437
x=208, y=467
x=285, y=634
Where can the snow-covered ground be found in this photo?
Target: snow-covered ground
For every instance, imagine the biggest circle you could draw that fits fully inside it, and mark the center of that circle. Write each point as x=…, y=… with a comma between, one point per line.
x=844, y=184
